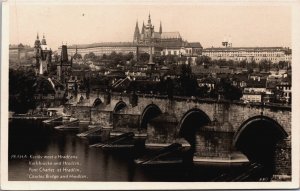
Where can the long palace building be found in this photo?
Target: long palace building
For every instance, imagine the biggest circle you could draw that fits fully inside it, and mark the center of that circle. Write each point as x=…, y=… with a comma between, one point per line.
x=249, y=54
x=144, y=40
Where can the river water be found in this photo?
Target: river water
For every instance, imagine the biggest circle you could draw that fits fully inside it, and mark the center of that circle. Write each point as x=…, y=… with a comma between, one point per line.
x=36, y=153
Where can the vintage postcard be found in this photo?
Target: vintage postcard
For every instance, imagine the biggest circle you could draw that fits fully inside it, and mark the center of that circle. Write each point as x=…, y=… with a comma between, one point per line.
x=149, y=95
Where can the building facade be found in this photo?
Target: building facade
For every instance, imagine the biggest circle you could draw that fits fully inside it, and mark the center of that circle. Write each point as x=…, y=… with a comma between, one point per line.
x=20, y=52
x=249, y=54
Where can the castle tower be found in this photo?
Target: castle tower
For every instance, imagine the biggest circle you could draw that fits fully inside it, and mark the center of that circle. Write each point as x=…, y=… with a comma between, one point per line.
x=64, y=54
x=136, y=36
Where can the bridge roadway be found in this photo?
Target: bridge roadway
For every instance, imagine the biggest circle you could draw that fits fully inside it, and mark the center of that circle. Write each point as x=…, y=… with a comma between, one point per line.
x=218, y=131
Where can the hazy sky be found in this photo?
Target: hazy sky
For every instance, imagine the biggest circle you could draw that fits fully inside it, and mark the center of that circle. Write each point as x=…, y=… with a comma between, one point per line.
x=207, y=24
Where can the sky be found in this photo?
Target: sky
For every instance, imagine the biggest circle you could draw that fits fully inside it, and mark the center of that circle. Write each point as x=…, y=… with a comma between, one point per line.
x=208, y=24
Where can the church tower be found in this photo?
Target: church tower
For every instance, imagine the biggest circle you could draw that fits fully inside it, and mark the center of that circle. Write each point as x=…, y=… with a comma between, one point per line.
x=44, y=40
x=160, y=28
x=136, y=36
x=42, y=55
x=149, y=30
x=37, y=53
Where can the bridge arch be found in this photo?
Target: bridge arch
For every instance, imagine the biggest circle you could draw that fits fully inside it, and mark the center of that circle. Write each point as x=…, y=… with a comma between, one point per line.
x=191, y=121
x=97, y=102
x=151, y=111
x=120, y=105
x=257, y=138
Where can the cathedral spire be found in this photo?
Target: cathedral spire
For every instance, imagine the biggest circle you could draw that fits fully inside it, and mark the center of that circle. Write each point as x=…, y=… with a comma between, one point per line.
x=37, y=36
x=160, y=28
x=149, y=19
x=136, y=35
x=143, y=28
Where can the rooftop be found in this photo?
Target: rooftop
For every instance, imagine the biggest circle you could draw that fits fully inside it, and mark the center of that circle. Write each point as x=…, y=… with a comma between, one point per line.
x=168, y=35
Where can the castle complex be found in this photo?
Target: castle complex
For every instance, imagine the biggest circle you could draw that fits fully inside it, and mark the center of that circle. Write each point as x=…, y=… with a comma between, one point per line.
x=161, y=43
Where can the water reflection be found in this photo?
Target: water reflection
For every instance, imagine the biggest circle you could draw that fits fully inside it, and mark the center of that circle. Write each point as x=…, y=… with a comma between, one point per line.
x=97, y=164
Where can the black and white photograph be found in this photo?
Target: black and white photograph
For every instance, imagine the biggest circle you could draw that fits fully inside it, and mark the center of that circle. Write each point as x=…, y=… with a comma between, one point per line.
x=146, y=94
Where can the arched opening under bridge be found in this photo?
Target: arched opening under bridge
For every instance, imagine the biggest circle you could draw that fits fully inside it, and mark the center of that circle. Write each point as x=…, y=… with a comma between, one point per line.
x=257, y=139
x=150, y=112
x=190, y=123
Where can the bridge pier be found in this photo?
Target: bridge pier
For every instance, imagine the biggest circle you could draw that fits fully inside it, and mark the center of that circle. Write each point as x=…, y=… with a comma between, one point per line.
x=283, y=161
x=215, y=147
x=161, y=131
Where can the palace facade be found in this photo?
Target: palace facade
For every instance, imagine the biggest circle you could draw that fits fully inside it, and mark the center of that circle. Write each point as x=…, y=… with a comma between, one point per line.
x=249, y=54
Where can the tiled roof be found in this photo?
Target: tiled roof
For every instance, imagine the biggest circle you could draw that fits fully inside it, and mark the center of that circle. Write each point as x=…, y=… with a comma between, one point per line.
x=172, y=44
x=166, y=35
x=156, y=35
x=195, y=45
x=256, y=83
x=117, y=44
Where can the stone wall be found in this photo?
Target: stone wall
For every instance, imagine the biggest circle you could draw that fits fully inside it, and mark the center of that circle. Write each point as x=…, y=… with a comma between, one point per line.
x=101, y=117
x=240, y=113
x=80, y=112
x=212, y=144
x=161, y=133
x=283, y=160
x=121, y=121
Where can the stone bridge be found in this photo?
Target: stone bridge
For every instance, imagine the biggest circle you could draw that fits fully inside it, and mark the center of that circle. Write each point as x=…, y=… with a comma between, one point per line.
x=217, y=131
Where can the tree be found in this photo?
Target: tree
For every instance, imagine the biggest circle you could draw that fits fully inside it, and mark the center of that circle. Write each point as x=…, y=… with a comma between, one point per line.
x=283, y=64
x=189, y=60
x=188, y=83
x=129, y=56
x=203, y=60
x=90, y=56
x=265, y=65
x=77, y=56
x=21, y=90
x=144, y=57
x=183, y=59
x=171, y=59
x=252, y=65
x=229, y=91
